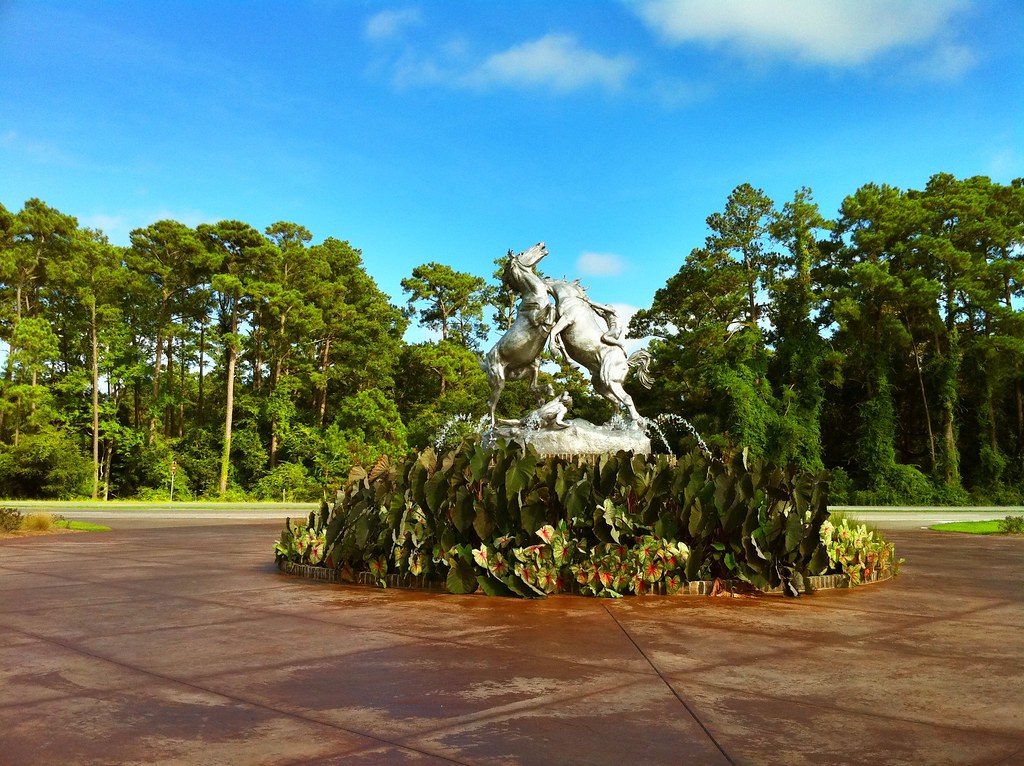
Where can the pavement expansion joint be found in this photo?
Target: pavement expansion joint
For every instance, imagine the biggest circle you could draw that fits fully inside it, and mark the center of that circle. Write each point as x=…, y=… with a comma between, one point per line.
x=671, y=688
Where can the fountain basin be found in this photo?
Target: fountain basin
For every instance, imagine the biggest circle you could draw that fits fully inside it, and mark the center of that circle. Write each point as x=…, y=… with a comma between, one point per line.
x=581, y=437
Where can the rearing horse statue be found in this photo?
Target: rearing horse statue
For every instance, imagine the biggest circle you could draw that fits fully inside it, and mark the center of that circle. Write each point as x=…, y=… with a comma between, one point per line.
x=578, y=334
x=516, y=356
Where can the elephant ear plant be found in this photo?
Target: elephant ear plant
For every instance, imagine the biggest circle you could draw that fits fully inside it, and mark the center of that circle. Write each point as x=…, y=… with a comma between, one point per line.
x=510, y=522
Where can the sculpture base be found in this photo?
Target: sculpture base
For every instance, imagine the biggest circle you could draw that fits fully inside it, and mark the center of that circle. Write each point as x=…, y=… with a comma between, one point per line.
x=580, y=438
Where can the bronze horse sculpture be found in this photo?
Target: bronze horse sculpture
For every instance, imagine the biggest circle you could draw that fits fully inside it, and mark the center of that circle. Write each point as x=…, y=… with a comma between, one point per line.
x=575, y=327
x=578, y=334
x=516, y=356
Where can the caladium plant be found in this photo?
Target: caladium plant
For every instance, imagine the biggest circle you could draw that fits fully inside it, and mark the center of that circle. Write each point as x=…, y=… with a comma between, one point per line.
x=516, y=523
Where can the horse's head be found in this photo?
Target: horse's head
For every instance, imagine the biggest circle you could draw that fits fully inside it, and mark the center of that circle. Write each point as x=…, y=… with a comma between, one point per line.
x=530, y=258
x=519, y=271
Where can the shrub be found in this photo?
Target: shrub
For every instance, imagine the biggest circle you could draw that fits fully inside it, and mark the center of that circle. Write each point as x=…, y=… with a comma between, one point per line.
x=1012, y=525
x=856, y=550
x=511, y=522
x=841, y=489
x=287, y=482
x=10, y=519
x=38, y=522
x=43, y=465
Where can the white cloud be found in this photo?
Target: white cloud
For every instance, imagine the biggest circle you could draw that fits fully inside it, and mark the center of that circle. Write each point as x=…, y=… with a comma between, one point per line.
x=556, y=61
x=834, y=32
x=625, y=312
x=673, y=93
x=110, y=225
x=38, y=151
x=948, y=62
x=118, y=226
x=387, y=25
x=1005, y=163
x=591, y=264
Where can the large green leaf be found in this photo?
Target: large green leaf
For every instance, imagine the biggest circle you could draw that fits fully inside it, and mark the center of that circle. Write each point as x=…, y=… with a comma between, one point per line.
x=463, y=511
x=563, y=481
x=667, y=526
x=461, y=577
x=579, y=501
x=533, y=516
x=603, y=475
x=485, y=519
x=520, y=473
x=696, y=516
x=819, y=560
x=436, y=491
x=725, y=493
x=492, y=586
x=794, y=532
x=479, y=460
x=417, y=484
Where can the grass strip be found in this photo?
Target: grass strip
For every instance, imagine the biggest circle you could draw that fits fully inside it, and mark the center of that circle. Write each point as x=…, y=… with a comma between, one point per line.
x=969, y=527
x=81, y=526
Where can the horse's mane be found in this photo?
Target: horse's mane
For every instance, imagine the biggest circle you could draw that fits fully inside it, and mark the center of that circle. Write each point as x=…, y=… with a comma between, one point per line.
x=574, y=287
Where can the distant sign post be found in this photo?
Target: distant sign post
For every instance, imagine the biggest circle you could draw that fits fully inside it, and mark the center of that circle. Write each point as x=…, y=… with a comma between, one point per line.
x=174, y=470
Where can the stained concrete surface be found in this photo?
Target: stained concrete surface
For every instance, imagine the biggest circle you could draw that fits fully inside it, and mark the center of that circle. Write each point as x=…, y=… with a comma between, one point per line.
x=184, y=645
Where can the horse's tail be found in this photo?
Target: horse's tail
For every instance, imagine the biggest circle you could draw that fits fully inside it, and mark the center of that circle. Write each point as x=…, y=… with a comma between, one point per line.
x=641, y=362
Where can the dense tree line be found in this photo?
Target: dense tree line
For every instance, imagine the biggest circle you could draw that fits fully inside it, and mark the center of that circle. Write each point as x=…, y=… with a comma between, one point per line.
x=887, y=343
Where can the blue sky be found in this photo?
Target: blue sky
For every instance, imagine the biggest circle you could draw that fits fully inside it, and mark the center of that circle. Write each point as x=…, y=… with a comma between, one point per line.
x=451, y=131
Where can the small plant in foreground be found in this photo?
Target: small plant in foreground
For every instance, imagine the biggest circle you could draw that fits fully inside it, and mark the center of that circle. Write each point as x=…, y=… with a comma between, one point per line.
x=10, y=519
x=38, y=522
x=1012, y=525
x=855, y=550
x=302, y=543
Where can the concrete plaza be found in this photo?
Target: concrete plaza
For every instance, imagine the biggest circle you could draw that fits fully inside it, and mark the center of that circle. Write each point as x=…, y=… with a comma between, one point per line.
x=181, y=643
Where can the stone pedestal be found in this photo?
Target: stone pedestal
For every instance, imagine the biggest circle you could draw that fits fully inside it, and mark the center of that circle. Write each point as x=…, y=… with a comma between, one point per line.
x=580, y=438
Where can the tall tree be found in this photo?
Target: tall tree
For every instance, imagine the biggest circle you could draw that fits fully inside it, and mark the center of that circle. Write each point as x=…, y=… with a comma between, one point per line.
x=241, y=252
x=889, y=331
x=290, y=317
x=36, y=235
x=88, y=282
x=449, y=302
x=798, y=365
x=172, y=262
x=709, y=346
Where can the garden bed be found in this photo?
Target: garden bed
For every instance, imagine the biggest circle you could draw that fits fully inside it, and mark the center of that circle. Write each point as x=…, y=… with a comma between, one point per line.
x=696, y=588
x=511, y=522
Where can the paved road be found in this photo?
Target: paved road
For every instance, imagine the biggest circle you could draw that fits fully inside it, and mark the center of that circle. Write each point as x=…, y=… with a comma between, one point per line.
x=909, y=518
x=151, y=515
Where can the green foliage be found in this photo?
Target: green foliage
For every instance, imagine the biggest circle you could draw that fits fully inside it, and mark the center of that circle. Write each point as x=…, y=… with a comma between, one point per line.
x=857, y=550
x=143, y=469
x=288, y=482
x=304, y=542
x=1012, y=525
x=10, y=519
x=512, y=522
x=969, y=527
x=449, y=302
x=888, y=341
x=43, y=465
